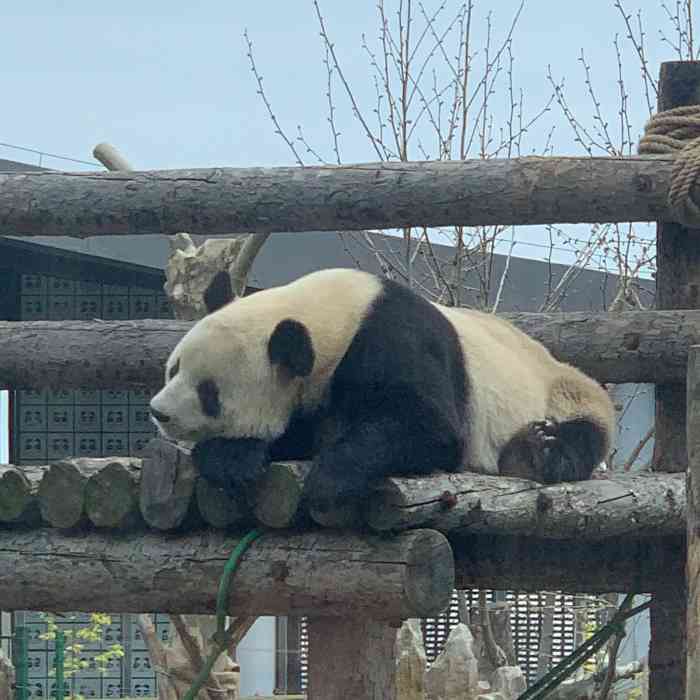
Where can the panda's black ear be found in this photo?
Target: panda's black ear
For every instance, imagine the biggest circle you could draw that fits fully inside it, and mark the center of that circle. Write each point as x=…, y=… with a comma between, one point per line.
x=219, y=292
x=290, y=347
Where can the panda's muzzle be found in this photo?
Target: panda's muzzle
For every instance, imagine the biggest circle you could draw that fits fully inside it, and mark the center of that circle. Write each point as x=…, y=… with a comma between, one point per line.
x=159, y=416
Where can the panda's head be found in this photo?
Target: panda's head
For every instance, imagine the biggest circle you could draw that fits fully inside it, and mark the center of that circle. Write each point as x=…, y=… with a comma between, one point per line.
x=237, y=373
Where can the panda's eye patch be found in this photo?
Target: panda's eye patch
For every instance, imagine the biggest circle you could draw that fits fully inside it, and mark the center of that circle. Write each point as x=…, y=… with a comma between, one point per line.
x=208, y=393
x=174, y=369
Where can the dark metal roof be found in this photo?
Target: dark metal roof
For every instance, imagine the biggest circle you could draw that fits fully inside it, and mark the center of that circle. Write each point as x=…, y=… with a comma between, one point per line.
x=12, y=166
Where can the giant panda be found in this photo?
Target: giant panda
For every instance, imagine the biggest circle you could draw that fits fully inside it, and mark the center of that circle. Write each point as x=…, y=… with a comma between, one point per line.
x=369, y=379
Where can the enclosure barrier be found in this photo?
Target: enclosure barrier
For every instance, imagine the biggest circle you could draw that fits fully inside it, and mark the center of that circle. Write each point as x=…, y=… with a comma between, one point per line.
x=623, y=534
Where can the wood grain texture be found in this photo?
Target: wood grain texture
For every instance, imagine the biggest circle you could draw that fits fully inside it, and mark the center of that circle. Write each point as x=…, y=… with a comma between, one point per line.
x=633, y=506
x=356, y=660
x=410, y=575
x=631, y=346
x=210, y=201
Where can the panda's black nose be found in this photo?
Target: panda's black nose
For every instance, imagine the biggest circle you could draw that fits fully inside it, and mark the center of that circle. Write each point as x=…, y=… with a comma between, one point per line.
x=160, y=417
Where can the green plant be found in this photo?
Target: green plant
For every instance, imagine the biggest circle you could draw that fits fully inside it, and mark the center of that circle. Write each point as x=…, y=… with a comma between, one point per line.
x=77, y=639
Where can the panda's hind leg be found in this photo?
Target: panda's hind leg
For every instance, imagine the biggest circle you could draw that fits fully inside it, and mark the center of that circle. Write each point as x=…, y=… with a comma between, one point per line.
x=571, y=441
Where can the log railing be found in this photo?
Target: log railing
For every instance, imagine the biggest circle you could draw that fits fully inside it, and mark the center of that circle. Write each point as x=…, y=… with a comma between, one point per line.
x=210, y=201
x=629, y=346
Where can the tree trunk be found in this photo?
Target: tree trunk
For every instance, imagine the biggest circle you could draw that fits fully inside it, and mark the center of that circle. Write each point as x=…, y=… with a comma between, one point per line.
x=410, y=575
x=355, y=659
x=211, y=201
x=631, y=506
x=693, y=495
x=677, y=285
x=629, y=346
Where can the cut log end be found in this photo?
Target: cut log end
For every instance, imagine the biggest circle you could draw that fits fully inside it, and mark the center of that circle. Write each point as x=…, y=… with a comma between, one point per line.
x=278, y=501
x=430, y=573
x=111, y=495
x=15, y=494
x=218, y=509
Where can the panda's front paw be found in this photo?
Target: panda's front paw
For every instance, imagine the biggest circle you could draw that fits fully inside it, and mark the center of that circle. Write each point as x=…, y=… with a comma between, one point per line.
x=231, y=464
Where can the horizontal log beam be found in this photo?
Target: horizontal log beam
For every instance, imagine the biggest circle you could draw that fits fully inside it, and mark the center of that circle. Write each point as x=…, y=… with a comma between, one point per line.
x=324, y=574
x=603, y=509
x=532, y=564
x=630, y=346
x=529, y=190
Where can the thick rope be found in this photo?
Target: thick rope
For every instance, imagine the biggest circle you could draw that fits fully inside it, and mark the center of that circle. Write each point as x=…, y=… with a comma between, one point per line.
x=677, y=132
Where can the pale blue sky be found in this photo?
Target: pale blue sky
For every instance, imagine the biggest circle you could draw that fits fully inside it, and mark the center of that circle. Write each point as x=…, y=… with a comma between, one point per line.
x=169, y=82
x=170, y=85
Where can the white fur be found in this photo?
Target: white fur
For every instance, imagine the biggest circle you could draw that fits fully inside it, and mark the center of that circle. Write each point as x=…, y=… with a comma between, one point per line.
x=230, y=346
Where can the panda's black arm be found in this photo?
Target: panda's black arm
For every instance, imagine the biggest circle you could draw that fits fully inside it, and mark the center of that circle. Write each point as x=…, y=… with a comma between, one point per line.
x=231, y=464
x=400, y=434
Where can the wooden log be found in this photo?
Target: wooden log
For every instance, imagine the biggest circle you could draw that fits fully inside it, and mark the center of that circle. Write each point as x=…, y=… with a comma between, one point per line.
x=677, y=285
x=62, y=490
x=631, y=506
x=532, y=564
x=168, y=478
x=631, y=346
x=210, y=201
x=356, y=661
x=278, y=501
x=18, y=492
x=217, y=508
x=411, y=575
x=111, y=493
x=693, y=495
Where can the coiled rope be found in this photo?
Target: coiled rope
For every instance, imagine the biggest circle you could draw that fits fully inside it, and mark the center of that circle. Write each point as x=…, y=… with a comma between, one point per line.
x=677, y=132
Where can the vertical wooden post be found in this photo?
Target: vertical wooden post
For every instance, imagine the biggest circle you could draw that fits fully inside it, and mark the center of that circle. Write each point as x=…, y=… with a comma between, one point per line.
x=693, y=495
x=677, y=287
x=351, y=659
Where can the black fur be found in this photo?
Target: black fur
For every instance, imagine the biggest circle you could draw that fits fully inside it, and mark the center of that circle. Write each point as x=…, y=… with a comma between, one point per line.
x=208, y=393
x=396, y=404
x=231, y=464
x=219, y=292
x=174, y=369
x=290, y=347
x=552, y=452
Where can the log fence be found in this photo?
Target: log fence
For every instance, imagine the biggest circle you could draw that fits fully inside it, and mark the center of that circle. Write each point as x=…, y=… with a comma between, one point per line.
x=137, y=540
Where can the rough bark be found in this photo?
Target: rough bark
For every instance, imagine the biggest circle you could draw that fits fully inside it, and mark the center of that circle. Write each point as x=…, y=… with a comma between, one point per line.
x=533, y=564
x=168, y=478
x=411, y=575
x=355, y=661
x=632, y=506
x=693, y=495
x=278, y=501
x=111, y=493
x=677, y=286
x=210, y=201
x=630, y=346
x=18, y=491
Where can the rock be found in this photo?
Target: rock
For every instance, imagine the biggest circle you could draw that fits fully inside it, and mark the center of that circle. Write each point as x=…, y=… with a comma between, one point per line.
x=509, y=681
x=454, y=675
x=191, y=268
x=410, y=662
